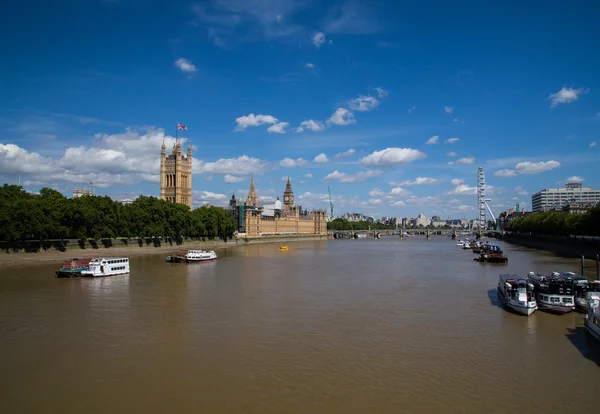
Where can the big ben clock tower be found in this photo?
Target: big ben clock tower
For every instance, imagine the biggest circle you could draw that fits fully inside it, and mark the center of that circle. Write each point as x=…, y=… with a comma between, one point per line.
x=288, y=196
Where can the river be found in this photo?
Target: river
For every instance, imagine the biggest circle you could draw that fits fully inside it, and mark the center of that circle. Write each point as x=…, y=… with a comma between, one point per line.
x=340, y=326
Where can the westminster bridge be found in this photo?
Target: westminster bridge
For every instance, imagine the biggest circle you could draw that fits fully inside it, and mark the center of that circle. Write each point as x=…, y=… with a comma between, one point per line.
x=427, y=232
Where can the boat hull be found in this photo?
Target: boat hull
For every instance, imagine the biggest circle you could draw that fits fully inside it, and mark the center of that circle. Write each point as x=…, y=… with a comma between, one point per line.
x=594, y=331
x=69, y=273
x=556, y=309
x=516, y=308
x=200, y=260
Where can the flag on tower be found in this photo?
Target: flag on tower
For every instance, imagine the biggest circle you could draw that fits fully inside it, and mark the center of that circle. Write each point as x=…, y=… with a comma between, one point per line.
x=182, y=127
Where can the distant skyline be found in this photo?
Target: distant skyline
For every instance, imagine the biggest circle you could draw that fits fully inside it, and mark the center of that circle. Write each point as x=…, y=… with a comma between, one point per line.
x=393, y=105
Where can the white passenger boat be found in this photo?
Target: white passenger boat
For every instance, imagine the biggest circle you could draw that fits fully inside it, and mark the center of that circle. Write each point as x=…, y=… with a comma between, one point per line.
x=592, y=319
x=107, y=266
x=586, y=291
x=460, y=243
x=517, y=294
x=554, y=293
x=199, y=256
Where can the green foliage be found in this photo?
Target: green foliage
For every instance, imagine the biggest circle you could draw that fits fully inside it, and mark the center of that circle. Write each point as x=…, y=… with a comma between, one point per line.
x=558, y=223
x=343, y=224
x=50, y=215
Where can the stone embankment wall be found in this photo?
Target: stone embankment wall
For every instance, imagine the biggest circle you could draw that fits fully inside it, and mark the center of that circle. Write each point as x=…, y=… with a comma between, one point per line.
x=561, y=246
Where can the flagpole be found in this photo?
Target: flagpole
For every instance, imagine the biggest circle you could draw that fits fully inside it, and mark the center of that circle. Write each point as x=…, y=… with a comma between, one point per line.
x=176, y=131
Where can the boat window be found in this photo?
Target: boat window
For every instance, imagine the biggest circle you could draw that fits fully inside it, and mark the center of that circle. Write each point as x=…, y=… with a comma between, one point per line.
x=567, y=300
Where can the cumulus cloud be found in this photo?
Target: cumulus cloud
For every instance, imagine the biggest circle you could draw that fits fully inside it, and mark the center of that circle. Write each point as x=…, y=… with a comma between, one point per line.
x=318, y=39
x=520, y=190
x=345, y=153
x=382, y=93
x=463, y=189
x=245, y=121
x=565, y=95
x=392, y=157
x=342, y=117
x=399, y=191
x=364, y=103
x=290, y=163
x=452, y=140
x=376, y=192
x=278, y=128
x=371, y=202
x=592, y=144
x=398, y=203
x=457, y=181
x=452, y=154
x=312, y=125
x=185, y=65
x=419, y=181
x=573, y=179
x=448, y=109
x=309, y=65
x=240, y=166
x=232, y=179
x=528, y=167
x=308, y=175
x=321, y=159
x=352, y=178
x=433, y=140
x=463, y=161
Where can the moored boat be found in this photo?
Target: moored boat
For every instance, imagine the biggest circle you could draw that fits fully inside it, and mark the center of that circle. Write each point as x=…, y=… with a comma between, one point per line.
x=193, y=256
x=73, y=267
x=491, y=254
x=586, y=291
x=175, y=259
x=283, y=248
x=107, y=266
x=553, y=293
x=517, y=294
x=592, y=319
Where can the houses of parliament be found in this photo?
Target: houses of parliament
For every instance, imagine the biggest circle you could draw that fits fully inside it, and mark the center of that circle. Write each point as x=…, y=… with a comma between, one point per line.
x=253, y=218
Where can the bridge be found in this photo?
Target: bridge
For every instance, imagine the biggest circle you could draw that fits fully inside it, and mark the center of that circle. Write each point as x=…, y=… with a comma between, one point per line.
x=401, y=233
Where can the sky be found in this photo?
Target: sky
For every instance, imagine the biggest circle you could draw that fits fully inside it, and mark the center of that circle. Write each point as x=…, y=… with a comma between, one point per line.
x=392, y=105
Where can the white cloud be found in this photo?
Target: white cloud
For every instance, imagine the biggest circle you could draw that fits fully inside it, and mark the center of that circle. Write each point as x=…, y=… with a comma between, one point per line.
x=309, y=65
x=231, y=179
x=371, y=201
x=575, y=179
x=254, y=120
x=308, y=175
x=448, y=109
x=433, y=140
x=290, y=163
x=399, y=203
x=520, y=190
x=312, y=125
x=209, y=196
x=465, y=208
x=392, y=157
x=185, y=65
x=352, y=178
x=457, y=181
x=321, y=159
x=345, y=153
x=592, y=144
x=419, y=181
x=376, y=192
x=463, y=161
x=399, y=191
x=364, y=103
x=412, y=108
x=382, y=93
x=318, y=39
x=454, y=201
x=505, y=173
x=278, y=128
x=452, y=140
x=342, y=116
x=463, y=189
x=242, y=165
x=452, y=154
x=565, y=95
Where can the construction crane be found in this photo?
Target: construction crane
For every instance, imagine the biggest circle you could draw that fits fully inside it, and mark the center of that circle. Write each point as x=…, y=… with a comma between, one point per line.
x=330, y=203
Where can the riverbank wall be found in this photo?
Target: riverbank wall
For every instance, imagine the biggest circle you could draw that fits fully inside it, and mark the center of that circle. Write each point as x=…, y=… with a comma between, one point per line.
x=32, y=252
x=561, y=246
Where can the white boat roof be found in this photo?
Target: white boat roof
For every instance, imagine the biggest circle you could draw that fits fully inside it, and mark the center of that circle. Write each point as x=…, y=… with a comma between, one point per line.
x=99, y=259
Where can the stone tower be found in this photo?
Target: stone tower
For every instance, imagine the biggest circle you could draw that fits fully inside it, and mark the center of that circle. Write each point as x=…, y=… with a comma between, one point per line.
x=288, y=196
x=176, y=175
x=252, y=200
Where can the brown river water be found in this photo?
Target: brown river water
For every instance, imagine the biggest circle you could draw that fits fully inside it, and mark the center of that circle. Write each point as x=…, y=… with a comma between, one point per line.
x=340, y=326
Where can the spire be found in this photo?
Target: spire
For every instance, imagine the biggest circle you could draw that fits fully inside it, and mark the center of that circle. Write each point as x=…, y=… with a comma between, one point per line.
x=288, y=187
x=189, y=148
x=252, y=199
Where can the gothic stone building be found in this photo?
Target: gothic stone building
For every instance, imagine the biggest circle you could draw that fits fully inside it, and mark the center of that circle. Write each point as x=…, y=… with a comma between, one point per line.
x=255, y=219
x=176, y=175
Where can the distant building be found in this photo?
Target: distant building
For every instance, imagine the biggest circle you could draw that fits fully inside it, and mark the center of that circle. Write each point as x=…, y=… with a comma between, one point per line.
x=556, y=198
x=436, y=218
x=126, y=201
x=509, y=215
x=176, y=175
x=581, y=207
x=81, y=191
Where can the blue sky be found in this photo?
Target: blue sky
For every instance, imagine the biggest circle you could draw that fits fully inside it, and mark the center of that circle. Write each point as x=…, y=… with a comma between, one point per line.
x=349, y=94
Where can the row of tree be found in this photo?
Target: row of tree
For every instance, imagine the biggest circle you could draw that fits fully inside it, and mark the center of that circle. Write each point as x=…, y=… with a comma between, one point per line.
x=50, y=215
x=343, y=224
x=558, y=223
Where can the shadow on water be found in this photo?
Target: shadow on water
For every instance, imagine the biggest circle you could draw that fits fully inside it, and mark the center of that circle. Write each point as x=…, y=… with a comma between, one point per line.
x=585, y=344
x=493, y=297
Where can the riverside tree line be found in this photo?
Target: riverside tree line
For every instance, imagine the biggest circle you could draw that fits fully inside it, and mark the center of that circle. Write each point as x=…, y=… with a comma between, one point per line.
x=343, y=224
x=50, y=215
x=558, y=223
